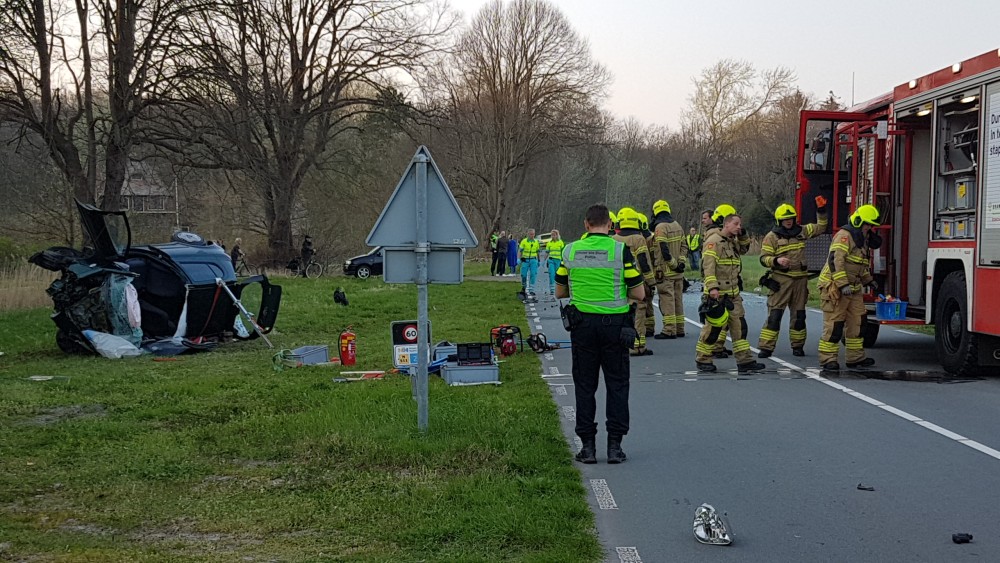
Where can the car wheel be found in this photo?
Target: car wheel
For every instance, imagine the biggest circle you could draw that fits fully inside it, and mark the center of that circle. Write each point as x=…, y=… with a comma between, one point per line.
x=364, y=272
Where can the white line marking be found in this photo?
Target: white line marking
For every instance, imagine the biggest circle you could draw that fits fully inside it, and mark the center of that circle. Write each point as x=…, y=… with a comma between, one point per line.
x=628, y=555
x=561, y=390
x=553, y=370
x=605, y=500
x=578, y=443
x=554, y=375
x=909, y=332
x=814, y=374
x=569, y=413
x=549, y=356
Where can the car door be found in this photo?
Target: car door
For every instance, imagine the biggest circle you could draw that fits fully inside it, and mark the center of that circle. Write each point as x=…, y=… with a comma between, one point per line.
x=108, y=231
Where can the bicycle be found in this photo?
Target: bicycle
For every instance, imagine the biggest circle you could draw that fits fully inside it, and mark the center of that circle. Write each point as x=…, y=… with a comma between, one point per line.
x=311, y=270
x=244, y=269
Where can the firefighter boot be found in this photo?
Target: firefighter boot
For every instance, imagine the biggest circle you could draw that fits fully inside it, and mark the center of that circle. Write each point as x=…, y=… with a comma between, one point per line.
x=867, y=362
x=750, y=367
x=588, y=453
x=615, y=453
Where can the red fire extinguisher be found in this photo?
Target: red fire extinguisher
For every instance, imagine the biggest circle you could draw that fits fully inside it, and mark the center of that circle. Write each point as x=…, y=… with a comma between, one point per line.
x=348, y=347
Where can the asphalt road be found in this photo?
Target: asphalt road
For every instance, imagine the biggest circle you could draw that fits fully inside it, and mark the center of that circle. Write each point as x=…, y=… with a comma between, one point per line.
x=782, y=453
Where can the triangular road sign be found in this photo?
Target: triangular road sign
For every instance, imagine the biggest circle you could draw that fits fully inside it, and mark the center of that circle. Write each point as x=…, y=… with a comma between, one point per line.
x=446, y=224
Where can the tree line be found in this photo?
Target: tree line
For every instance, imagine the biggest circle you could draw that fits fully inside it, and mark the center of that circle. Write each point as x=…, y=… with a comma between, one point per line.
x=276, y=118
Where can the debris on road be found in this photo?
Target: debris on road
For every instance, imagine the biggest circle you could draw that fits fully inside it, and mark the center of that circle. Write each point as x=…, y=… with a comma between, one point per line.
x=709, y=527
x=862, y=487
x=961, y=538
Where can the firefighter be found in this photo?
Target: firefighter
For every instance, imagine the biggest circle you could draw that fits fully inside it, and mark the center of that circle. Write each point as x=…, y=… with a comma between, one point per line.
x=742, y=246
x=670, y=253
x=783, y=253
x=721, y=302
x=650, y=289
x=629, y=233
x=613, y=225
x=844, y=276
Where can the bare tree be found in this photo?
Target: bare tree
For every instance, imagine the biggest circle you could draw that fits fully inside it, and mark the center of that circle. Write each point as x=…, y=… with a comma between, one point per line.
x=82, y=90
x=270, y=84
x=521, y=82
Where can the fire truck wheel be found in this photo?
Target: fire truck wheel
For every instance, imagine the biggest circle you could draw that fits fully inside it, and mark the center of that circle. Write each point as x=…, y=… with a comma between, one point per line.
x=957, y=348
x=869, y=332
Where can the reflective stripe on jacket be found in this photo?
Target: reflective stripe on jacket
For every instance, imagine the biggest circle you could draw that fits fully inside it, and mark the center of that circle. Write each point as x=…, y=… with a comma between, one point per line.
x=596, y=271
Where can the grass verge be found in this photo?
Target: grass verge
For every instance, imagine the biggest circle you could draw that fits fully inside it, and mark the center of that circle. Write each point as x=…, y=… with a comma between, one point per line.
x=216, y=457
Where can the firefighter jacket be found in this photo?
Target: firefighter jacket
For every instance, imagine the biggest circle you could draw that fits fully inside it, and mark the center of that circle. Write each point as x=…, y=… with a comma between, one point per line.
x=669, y=249
x=635, y=242
x=848, y=262
x=721, y=264
x=791, y=244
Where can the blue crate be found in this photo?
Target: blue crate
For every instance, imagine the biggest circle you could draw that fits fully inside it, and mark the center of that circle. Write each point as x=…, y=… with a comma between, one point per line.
x=890, y=310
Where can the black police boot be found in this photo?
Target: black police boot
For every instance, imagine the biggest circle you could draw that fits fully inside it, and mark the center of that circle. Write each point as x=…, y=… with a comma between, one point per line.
x=749, y=367
x=588, y=453
x=662, y=336
x=798, y=352
x=764, y=354
x=615, y=453
x=706, y=367
x=831, y=366
x=867, y=362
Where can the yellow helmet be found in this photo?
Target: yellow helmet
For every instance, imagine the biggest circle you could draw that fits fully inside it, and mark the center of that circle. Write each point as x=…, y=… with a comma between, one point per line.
x=643, y=222
x=628, y=218
x=865, y=214
x=785, y=211
x=660, y=206
x=723, y=211
x=614, y=220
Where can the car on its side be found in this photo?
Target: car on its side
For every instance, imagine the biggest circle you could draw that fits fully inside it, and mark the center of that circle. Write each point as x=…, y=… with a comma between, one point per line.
x=365, y=265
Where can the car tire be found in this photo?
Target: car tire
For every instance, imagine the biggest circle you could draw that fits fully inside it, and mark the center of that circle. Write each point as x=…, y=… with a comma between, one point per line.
x=364, y=272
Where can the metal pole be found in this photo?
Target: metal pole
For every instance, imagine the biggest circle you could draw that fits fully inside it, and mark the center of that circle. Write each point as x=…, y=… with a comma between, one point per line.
x=422, y=250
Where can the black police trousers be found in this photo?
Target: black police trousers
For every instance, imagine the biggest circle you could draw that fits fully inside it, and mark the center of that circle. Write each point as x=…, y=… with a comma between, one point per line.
x=597, y=345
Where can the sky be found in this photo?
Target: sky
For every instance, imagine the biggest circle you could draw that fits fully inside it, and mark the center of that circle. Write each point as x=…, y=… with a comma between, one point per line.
x=654, y=48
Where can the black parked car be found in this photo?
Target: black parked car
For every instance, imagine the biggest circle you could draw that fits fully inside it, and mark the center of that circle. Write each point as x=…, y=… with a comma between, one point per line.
x=366, y=265
x=176, y=286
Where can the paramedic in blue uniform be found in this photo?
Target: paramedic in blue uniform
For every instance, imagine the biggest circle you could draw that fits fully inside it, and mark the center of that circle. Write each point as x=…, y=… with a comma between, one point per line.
x=599, y=277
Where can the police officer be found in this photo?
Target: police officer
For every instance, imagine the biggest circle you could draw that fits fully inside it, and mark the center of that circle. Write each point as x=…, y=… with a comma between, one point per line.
x=669, y=250
x=783, y=252
x=722, y=302
x=841, y=282
x=630, y=233
x=598, y=276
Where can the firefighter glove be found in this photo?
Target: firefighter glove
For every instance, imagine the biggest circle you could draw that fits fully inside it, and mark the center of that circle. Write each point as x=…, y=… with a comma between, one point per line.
x=680, y=267
x=873, y=285
x=846, y=290
x=820, y=202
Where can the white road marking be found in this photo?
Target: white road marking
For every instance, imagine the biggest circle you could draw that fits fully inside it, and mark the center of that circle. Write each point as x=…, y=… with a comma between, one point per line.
x=605, y=500
x=909, y=332
x=560, y=389
x=628, y=555
x=554, y=375
x=549, y=356
x=553, y=370
x=570, y=413
x=814, y=374
x=578, y=443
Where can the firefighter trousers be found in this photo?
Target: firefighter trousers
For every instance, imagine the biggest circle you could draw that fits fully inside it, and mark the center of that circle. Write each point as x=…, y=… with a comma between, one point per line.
x=649, y=328
x=793, y=295
x=671, y=295
x=737, y=326
x=842, y=318
x=639, y=326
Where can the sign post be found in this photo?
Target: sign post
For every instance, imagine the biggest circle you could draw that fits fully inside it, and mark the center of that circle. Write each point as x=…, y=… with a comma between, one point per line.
x=420, y=251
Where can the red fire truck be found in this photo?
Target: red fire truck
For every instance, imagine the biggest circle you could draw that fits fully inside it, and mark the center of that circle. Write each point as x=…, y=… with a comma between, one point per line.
x=927, y=155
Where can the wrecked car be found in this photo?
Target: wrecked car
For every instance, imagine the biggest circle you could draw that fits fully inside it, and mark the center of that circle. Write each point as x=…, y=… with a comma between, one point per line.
x=175, y=290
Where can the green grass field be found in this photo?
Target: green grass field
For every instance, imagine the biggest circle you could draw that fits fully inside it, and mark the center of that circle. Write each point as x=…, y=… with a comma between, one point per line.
x=216, y=457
